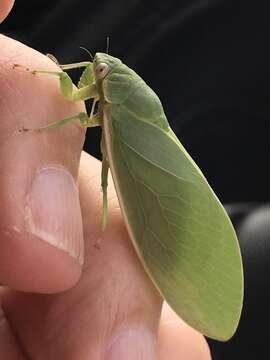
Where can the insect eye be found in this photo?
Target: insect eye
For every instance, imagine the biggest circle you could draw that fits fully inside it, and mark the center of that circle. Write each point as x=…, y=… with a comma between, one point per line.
x=101, y=70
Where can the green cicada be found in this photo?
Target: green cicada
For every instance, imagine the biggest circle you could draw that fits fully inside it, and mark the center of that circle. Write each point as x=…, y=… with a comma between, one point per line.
x=180, y=230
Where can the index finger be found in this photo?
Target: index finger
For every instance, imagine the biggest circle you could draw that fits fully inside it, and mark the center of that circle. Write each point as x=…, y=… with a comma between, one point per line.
x=5, y=7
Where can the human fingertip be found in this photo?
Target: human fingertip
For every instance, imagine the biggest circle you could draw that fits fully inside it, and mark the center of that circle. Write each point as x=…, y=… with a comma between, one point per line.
x=44, y=252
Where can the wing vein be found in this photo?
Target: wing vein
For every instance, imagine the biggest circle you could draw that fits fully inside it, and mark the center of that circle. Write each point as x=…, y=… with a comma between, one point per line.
x=154, y=164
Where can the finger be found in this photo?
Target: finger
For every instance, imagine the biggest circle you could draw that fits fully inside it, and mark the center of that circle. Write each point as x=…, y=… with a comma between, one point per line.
x=177, y=340
x=5, y=7
x=112, y=313
x=9, y=348
x=41, y=246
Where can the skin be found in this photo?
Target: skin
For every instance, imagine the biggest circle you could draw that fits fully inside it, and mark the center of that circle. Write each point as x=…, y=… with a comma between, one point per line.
x=51, y=306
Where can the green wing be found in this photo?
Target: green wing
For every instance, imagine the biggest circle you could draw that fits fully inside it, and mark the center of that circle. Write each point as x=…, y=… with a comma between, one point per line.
x=178, y=226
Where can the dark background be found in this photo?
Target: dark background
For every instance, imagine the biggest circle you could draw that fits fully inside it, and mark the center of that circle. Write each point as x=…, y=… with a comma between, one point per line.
x=209, y=62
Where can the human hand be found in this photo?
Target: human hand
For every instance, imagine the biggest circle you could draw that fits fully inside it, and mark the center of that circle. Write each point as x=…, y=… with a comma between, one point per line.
x=52, y=307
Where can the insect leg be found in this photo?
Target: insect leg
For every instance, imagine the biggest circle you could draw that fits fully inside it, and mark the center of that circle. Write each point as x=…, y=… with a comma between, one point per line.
x=104, y=183
x=92, y=121
x=75, y=65
x=67, y=89
x=68, y=66
x=80, y=116
x=85, y=120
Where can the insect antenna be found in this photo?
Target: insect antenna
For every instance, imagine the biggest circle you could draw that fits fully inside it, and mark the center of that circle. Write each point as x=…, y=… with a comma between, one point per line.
x=88, y=52
x=107, y=44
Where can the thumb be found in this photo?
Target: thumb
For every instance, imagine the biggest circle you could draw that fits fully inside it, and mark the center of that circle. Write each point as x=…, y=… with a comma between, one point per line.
x=41, y=243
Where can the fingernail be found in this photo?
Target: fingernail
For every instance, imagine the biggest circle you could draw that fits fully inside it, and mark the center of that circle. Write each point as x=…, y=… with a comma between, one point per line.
x=53, y=211
x=132, y=344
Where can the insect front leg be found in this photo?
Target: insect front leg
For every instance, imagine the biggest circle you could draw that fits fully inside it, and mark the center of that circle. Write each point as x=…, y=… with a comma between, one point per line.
x=67, y=88
x=86, y=87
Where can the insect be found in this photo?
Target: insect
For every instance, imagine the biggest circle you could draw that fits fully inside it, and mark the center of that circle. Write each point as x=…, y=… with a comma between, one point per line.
x=179, y=228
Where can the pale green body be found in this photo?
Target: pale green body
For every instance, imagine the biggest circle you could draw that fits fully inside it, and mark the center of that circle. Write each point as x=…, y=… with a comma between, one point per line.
x=179, y=228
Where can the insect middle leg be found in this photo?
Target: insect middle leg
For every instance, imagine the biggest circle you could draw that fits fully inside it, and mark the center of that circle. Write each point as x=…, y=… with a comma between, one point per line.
x=85, y=120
